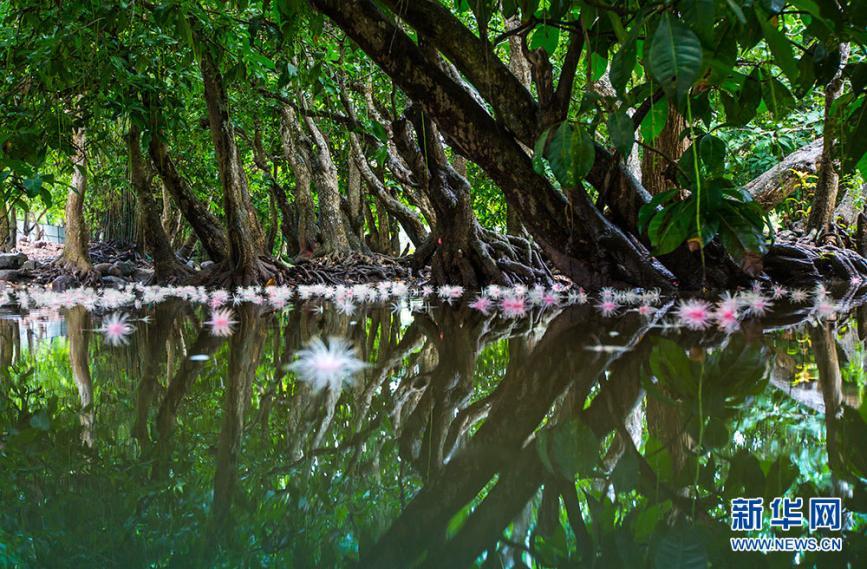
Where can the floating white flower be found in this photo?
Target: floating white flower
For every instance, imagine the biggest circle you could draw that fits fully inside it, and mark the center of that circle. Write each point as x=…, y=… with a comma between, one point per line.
x=221, y=322
x=326, y=364
x=116, y=329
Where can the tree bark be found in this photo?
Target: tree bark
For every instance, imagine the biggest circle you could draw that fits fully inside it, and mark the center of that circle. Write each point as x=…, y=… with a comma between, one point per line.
x=167, y=266
x=75, y=256
x=291, y=137
x=6, y=234
x=205, y=225
x=825, y=200
x=657, y=168
x=770, y=188
x=334, y=239
x=246, y=240
x=77, y=321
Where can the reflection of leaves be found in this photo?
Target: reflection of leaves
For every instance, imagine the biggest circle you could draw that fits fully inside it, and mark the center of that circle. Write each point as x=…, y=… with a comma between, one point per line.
x=681, y=547
x=647, y=519
x=779, y=477
x=625, y=475
x=745, y=476
x=569, y=449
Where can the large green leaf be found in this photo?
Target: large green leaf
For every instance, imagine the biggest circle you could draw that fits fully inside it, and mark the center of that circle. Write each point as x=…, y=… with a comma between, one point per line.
x=570, y=153
x=623, y=63
x=675, y=56
x=622, y=132
x=778, y=99
x=545, y=37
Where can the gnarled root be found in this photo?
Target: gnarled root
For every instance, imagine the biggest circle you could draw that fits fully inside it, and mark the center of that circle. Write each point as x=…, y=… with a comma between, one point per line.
x=483, y=257
x=265, y=270
x=803, y=264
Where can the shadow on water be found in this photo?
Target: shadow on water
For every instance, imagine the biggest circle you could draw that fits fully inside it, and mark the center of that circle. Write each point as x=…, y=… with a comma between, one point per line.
x=558, y=440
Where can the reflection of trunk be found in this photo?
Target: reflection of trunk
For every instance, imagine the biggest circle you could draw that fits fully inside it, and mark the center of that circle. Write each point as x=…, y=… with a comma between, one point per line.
x=822, y=213
x=8, y=339
x=831, y=381
x=166, y=264
x=244, y=352
x=205, y=224
x=246, y=240
x=152, y=350
x=75, y=256
x=77, y=322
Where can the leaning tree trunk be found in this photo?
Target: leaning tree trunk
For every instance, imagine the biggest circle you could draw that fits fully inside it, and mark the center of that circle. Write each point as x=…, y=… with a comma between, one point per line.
x=75, y=257
x=205, y=225
x=167, y=266
x=825, y=200
x=245, y=265
x=463, y=252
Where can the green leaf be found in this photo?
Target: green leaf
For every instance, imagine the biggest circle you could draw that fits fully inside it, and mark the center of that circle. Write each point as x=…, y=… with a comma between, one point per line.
x=623, y=63
x=571, y=154
x=779, y=46
x=700, y=15
x=713, y=152
x=669, y=229
x=545, y=37
x=778, y=99
x=622, y=132
x=654, y=121
x=681, y=547
x=675, y=56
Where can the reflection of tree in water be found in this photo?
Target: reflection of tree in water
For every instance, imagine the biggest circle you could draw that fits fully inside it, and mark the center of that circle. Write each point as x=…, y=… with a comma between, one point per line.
x=78, y=324
x=465, y=436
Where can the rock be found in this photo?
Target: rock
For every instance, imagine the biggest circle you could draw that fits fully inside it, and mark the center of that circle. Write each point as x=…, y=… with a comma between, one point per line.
x=126, y=268
x=207, y=265
x=115, y=271
x=143, y=276
x=10, y=275
x=12, y=260
x=63, y=282
x=102, y=268
x=30, y=266
x=113, y=282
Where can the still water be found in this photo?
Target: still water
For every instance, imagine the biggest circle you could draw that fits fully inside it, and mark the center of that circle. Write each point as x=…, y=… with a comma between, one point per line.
x=426, y=434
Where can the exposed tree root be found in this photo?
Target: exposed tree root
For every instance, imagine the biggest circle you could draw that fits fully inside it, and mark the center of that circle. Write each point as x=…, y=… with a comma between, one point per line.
x=266, y=270
x=483, y=257
x=804, y=264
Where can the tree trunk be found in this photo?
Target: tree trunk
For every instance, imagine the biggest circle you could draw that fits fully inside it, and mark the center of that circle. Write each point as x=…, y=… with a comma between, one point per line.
x=410, y=221
x=578, y=239
x=167, y=266
x=75, y=257
x=288, y=216
x=246, y=240
x=770, y=188
x=657, y=169
x=6, y=234
x=205, y=225
x=293, y=144
x=825, y=200
x=334, y=239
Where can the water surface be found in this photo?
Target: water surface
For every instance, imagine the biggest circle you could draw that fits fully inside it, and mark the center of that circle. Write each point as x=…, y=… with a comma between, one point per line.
x=558, y=439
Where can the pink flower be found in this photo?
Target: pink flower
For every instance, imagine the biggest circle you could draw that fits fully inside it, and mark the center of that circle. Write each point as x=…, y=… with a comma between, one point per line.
x=726, y=315
x=823, y=308
x=550, y=299
x=695, y=314
x=221, y=322
x=513, y=306
x=646, y=310
x=756, y=303
x=116, y=329
x=608, y=307
x=482, y=304
x=778, y=292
